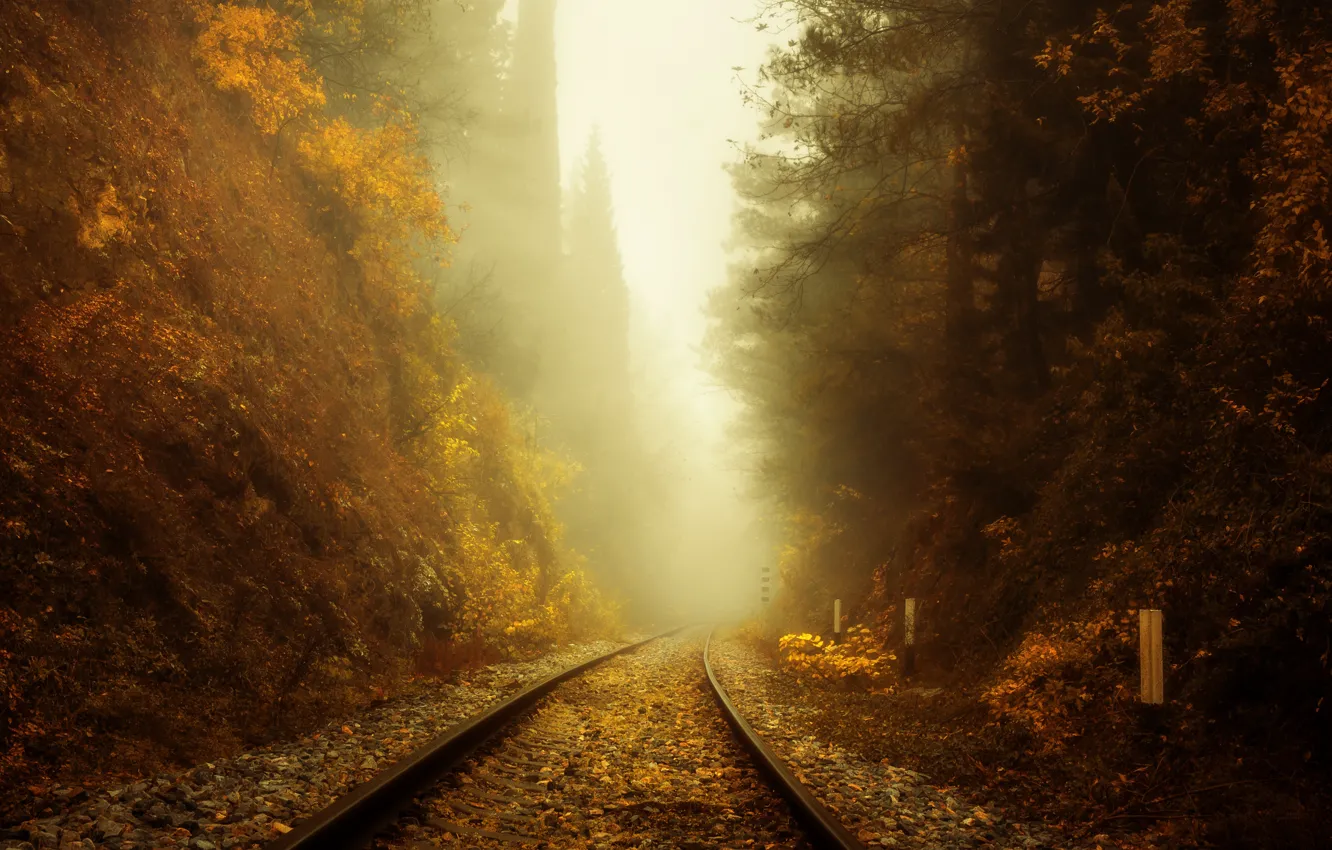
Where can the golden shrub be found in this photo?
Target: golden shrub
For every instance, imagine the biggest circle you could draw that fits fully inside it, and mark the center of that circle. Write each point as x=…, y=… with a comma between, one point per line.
x=253, y=50
x=856, y=659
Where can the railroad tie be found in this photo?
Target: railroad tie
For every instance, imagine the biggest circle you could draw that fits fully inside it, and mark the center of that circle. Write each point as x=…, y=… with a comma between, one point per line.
x=508, y=783
x=461, y=829
x=491, y=813
x=494, y=798
x=508, y=759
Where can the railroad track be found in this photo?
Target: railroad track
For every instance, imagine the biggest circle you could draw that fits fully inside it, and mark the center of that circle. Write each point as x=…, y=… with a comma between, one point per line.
x=626, y=750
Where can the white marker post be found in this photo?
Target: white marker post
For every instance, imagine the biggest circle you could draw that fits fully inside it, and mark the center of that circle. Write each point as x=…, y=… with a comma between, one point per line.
x=837, y=616
x=909, y=636
x=1151, y=655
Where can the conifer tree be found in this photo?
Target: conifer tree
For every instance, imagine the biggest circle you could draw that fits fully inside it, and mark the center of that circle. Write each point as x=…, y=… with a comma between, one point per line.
x=588, y=393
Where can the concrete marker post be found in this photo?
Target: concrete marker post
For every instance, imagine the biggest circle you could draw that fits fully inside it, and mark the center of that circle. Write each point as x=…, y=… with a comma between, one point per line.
x=837, y=616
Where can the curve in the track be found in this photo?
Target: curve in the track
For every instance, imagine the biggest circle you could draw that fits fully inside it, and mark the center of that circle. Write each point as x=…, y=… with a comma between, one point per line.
x=353, y=820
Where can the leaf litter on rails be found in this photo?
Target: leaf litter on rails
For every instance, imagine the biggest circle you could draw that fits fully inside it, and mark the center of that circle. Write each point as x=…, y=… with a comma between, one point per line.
x=634, y=754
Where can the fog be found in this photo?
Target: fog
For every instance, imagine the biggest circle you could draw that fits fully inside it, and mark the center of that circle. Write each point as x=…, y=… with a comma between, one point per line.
x=595, y=206
x=662, y=91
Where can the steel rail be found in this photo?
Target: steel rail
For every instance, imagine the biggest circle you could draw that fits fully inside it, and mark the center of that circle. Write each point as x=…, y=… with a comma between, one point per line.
x=824, y=827
x=354, y=819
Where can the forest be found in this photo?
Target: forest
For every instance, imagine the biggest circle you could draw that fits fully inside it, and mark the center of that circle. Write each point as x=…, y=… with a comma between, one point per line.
x=1035, y=331
x=322, y=379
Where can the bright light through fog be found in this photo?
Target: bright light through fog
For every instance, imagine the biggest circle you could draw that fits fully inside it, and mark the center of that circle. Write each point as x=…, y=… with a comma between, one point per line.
x=660, y=84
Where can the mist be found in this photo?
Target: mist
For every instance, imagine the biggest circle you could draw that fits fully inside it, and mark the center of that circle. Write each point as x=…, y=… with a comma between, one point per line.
x=594, y=206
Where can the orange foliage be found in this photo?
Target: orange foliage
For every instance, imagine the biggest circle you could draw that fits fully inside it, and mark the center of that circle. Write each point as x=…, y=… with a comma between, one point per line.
x=254, y=50
x=1051, y=679
x=244, y=477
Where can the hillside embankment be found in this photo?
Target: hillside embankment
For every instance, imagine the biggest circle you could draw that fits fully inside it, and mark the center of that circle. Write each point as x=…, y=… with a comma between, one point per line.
x=245, y=481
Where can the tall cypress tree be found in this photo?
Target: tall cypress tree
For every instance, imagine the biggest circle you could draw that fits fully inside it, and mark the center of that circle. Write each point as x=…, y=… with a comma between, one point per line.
x=593, y=341
x=590, y=400
x=531, y=107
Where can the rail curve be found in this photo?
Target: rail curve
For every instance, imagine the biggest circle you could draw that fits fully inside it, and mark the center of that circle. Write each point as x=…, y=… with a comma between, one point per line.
x=400, y=793
x=354, y=819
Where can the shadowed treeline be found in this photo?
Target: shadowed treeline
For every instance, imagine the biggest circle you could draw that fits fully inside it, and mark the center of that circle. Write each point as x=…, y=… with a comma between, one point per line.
x=1032, y=327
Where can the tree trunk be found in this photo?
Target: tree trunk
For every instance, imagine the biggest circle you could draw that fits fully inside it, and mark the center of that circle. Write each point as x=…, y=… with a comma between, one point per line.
x=1022, y=255
x=961, y=302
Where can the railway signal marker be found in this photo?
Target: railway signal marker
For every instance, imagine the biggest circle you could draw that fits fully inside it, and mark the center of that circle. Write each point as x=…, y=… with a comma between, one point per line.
x=909, y=621
x=1151, y=656
x=909, y=636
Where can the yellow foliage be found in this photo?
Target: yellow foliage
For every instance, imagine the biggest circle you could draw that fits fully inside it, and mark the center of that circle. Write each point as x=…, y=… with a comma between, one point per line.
x=520, y=626
x=463, y=439
x=518, y=590
x=253, y=50
x=383, y=180
x=857, y=658
x=575, y=606
x=378, y=173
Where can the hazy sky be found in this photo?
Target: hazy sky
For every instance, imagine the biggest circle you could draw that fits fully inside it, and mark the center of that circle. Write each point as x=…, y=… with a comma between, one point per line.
x=658, y=80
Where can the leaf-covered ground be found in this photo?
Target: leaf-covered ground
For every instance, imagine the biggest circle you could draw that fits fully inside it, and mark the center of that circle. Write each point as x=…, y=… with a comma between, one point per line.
x=249, y=799
x=635, y=754
x=833, y=742
x=950, y=744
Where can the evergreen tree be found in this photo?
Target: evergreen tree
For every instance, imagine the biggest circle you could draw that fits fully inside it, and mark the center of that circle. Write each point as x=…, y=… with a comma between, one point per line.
x=587, y=388
x=505, y=168
x=1032, y=325
x=593, y=341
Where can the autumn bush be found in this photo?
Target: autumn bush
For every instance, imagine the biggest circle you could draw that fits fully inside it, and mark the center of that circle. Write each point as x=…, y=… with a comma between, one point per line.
x=856, y=660
x=245, y=479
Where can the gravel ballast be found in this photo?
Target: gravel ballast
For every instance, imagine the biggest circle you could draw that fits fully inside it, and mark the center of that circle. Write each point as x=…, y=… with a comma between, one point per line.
x=256, y=796
x=884, y=805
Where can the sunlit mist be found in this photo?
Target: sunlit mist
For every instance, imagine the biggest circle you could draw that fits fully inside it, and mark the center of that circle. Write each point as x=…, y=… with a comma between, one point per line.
x=663, y=91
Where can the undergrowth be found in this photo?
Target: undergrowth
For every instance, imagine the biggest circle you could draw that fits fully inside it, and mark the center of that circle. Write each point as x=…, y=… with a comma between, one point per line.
x=245, y=480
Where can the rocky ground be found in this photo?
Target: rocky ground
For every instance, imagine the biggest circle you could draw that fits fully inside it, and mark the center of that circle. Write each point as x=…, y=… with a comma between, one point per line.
x=634, y=754
x=256, y=796
x=886, y=806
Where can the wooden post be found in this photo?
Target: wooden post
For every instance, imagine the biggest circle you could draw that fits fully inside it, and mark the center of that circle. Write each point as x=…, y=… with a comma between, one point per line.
x=1151, y=657
x=837, y=616
x=909, y=637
